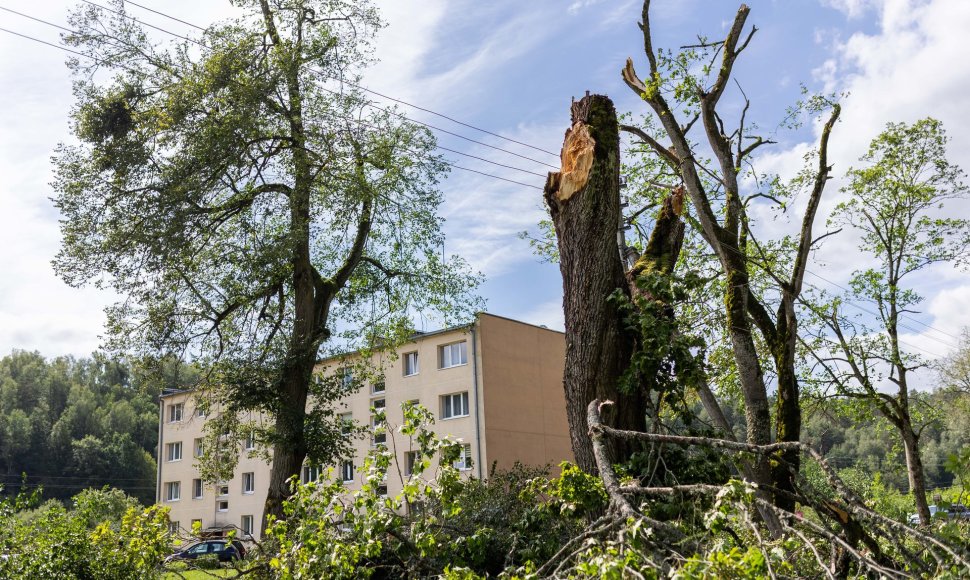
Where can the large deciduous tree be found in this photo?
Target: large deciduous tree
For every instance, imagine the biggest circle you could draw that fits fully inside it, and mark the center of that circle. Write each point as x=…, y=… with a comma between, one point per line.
x=247, y=204
x=895, y=203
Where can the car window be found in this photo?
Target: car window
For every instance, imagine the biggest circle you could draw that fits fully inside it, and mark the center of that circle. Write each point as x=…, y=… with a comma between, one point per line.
x=198, y=549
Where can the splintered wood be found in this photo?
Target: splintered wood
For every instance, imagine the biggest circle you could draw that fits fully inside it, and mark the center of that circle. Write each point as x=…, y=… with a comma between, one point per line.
x=577, y=160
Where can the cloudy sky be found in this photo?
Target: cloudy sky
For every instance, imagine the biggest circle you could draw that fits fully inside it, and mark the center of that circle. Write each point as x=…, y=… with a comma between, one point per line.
x=512, y=67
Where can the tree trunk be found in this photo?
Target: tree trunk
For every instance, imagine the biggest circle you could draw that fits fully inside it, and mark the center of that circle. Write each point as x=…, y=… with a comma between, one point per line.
x=788, y=413
x=914, y=469
x=584, y=201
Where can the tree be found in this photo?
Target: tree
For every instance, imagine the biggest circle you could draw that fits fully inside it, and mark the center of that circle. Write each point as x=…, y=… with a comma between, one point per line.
x=955, y=368
x=681, y=89
x=248, y=205
x=895, y=204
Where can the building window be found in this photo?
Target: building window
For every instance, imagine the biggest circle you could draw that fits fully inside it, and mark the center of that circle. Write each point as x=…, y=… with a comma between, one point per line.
x=455, y=405
x=246, y=524
x=379, y=404
x=223, y=489
x=197, y=489
x=199, y=410
x=175, y=412
x=222, y=505
x=250, y=443
x=347, y=471
x=410, y=459
x=379, y=436
x=173, y=490
x=173, y=527
x=197, y=448
x=173, y=451
x=347, y=379
x=346, y=423
x=378, y=387
x=249, y=482
x=464, y=462
x=452, y=355
x=410, y=363
x=382, y=490
x=311, y=473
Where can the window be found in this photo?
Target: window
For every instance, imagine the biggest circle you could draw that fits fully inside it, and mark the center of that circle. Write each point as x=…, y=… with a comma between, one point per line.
x=382, y=490
x=452, y=355
x=455, y=405
x=223, y=489
x=410, y=459
x=379, y=404
x=464, y=462
x=347, y=471
x=175, y=412
x=250, y=443
x=249, y=482
x=410, y=363
x=347, y=423
x=311, y=473
x=197, y=489
x=173, y=490
x=197, y=448
x=348, y=378
x=222, y=505
x=199, y=410
x=173, y=527
x=379, y=436
x=246, y=524
x=378, y=387
x=173, y=451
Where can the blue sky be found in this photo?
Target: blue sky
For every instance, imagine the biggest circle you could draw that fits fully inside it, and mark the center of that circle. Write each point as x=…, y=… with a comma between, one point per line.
x=512, y=67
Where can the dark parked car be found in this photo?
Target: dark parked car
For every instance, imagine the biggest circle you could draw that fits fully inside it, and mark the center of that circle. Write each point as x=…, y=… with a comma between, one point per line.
x=224, y=550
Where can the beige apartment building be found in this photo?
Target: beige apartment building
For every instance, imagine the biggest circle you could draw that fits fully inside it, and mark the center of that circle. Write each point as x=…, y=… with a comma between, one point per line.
x=495, y=384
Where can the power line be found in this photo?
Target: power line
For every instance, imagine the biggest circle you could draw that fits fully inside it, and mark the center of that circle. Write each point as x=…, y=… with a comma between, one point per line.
x=359, y=87
x=99, y=61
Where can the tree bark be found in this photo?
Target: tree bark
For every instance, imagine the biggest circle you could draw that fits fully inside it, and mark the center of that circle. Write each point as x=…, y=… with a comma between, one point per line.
x=584, y=202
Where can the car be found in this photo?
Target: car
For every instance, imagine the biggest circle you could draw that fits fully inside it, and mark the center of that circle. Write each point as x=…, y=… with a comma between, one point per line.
x=953, y=511
x=223, y=549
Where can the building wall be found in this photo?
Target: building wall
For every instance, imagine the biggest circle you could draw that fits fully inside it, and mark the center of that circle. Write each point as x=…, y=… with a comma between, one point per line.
x=525, y=405
x=515, y=368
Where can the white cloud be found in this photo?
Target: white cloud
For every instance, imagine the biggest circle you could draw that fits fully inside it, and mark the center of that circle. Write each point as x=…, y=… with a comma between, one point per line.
x=851, y=8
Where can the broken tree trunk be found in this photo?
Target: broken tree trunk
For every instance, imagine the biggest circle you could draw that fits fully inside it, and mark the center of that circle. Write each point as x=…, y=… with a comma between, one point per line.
x=584, y=202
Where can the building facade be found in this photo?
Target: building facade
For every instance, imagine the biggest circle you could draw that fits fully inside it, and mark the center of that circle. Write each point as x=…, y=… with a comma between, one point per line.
x=495, y=384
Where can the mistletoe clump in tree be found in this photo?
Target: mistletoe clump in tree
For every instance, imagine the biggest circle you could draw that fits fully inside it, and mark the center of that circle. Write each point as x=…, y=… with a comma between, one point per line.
x=247, y=204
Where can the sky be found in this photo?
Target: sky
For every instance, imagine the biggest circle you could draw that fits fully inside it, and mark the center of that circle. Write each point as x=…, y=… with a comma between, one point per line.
x=512, y=68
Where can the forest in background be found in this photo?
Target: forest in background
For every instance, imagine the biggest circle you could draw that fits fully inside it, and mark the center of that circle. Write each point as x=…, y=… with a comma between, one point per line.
x=67, y=424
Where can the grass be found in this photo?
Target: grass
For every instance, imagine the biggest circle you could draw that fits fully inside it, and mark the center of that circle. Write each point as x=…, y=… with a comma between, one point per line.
x=200, y=574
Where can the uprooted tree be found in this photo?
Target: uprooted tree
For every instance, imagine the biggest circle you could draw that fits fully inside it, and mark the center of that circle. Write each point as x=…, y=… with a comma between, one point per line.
x=247, y=205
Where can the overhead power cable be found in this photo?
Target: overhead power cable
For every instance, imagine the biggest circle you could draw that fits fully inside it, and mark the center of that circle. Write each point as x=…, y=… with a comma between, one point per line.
x=99, y=61
x=359, y=87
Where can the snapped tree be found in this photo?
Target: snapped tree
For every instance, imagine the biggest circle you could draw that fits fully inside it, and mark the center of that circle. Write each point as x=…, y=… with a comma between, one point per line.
x=249, y=207
x=895, y=204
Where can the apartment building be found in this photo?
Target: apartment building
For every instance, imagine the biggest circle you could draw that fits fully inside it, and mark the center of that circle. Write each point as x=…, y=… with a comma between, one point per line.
x=495, y=384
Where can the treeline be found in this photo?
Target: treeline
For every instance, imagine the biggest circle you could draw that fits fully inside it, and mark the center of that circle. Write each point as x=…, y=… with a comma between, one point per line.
x=852, y=438
x=71, y=424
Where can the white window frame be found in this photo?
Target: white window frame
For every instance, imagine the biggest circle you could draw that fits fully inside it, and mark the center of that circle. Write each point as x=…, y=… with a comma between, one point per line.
x=220, y=504
x=375, y=423
x=410, y=460
x=173, y=527
x=249, y=482
x=379, y=404
x=246, y=524
x=347, y=471
x=448, y=405
x=347, y=378
x=200, y=411
x=222, y=490
x=250, y=442
x=411, y=363
x=198, y=489
x=447, y=354
x=378, y=388
x=346, y=423
x=464, y=462
x=198, y=447
x=311, y=470
x=175, y=412
x=173, y=490
x=173, y=452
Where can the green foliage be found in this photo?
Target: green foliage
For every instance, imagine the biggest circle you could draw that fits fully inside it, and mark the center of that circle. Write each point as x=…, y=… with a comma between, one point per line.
x=75, y=423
